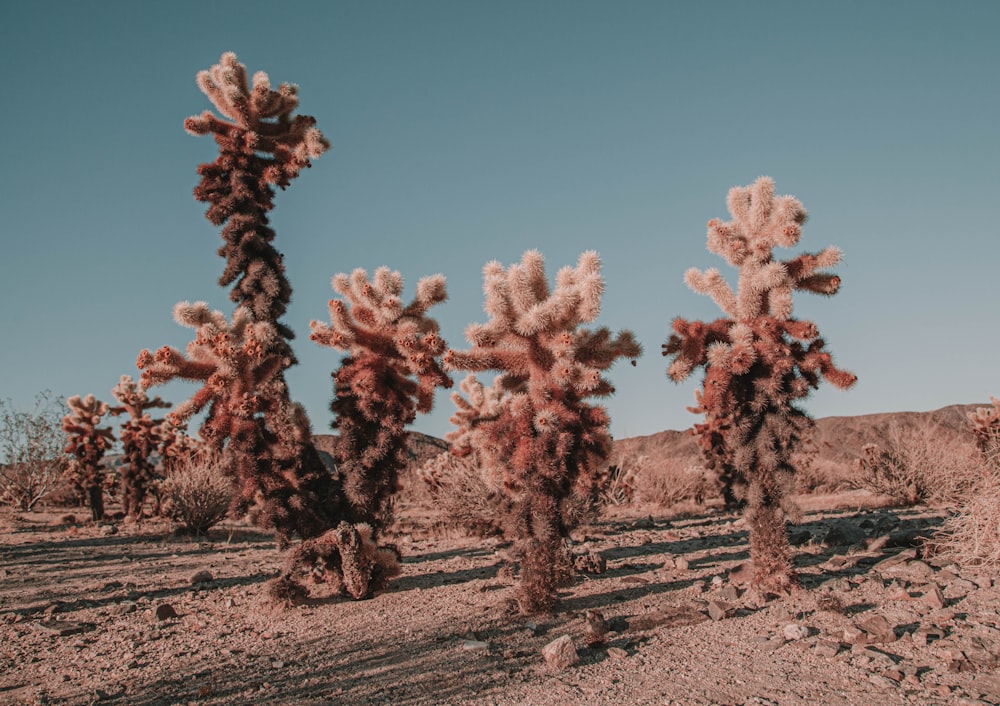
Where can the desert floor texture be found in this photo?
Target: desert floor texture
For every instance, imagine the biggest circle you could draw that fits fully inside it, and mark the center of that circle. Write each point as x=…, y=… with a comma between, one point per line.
x=139, y=615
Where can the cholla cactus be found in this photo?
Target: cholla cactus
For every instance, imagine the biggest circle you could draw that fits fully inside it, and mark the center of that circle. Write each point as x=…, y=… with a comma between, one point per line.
x=268, y=439
x=140, y=437
x=985, y=424
x=261, y=145
x=758, y=361
x=390, y=374
x=546, y=447
x=177, y=448
x=87, y=442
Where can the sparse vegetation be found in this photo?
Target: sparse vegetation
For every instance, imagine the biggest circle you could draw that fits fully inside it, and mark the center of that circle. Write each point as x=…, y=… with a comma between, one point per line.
x=31, y=444
x=197, y=493
x=919, y=464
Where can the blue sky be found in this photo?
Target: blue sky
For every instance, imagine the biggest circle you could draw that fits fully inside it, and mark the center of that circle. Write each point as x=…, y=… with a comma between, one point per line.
x=465, y=132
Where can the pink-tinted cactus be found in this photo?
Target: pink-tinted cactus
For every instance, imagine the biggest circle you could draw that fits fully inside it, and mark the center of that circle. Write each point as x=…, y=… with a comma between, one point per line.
x=267, y=438
x=546, y=446
x=261, y=145
x=758, y=361
x=86, y=443
x=985, y=425
x=390, y=373
x=140, y=437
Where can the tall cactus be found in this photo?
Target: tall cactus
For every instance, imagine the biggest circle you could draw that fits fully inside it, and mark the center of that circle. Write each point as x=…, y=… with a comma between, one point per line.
x=390, y=374
x=546, y=446
x=86, y=443
x=758, y=361
x=140, y=437
x=261, y=145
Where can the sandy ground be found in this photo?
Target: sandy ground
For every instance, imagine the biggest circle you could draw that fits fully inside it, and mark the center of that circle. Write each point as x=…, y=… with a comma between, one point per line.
x=91, y=616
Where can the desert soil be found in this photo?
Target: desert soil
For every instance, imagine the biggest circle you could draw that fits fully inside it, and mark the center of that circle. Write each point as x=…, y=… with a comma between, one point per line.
x=142, y=616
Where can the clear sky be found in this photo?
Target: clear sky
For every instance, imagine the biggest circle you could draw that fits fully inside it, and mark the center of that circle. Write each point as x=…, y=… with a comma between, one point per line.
x=465, y=132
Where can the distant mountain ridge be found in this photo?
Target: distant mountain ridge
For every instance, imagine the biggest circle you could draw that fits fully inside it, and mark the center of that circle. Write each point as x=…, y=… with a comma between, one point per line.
x=839, y=439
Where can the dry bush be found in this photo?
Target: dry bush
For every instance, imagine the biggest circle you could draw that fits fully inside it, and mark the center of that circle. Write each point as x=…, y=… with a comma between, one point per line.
x=197, y=493
x=673, y=482
x=824, y=475
x=31, y=446
x=460, y=493
x=917, y=464
x=972, y=537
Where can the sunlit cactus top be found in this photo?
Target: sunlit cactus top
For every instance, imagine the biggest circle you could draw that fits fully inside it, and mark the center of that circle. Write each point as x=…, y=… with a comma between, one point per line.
x=371, y=322
x=234, y=361
x=84, y=436
x=260, y=145
x=759, y=312
x=133, y=399
x=533, y=334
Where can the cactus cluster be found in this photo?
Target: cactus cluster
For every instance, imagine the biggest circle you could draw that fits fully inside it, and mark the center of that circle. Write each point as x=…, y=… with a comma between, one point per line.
x=758, y=361
x=87, y=442
x=547, y=442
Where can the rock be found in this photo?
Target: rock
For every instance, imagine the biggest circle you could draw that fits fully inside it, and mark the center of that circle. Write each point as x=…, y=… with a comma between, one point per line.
x=877, y=630
x=741, y=574
x=795, y=631
x=561, y=653
x=596, y=627
x=682, y=564
x=827, y=648
x=933, y=597
x=843, y=534
x=61, y=628
x=906, y=538
x=717, y=610
x=165, y=611
x=800, y=537
x=475, y=645
x=108, y=530
x=590, y=563
x=925, y=634
x=202, y=576
x=672, y=616
x=729, y=593
x=617, y=653
x=895, y=559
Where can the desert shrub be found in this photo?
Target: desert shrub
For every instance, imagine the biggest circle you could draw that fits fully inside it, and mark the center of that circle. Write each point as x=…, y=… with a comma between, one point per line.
x=197, y=493
x=31, y=446
x=824, y=475
x=674, y=483
x=758, y=361
x=616, y=485
x=460, y=493
x=918, y=464
x=972, y=535
x=985, y=425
